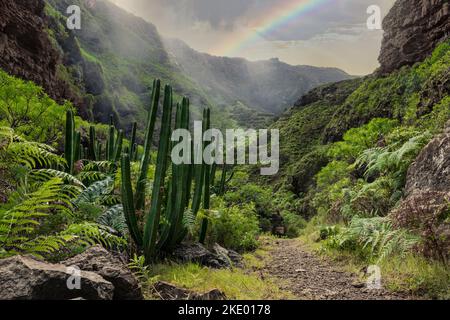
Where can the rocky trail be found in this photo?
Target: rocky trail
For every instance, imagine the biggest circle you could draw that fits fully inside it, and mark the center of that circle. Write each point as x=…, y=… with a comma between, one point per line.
x=310, y=277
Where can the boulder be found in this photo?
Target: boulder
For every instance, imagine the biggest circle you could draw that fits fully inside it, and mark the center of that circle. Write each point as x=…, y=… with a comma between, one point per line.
x=111, y=268
x=425, y=208
x=431, y=169
x=412, y=29
x=167, y=291
x=233, y=258
x=217, y=258
x=24, y=278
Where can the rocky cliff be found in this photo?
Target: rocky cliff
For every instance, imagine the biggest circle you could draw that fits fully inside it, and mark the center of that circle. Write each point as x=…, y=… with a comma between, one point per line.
x=413, y=28
x=25, y=48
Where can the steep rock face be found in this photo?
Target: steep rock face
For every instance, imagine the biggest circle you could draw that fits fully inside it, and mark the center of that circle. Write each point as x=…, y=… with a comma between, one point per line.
x=25, y=48
x=413, y=28
x=431, y=170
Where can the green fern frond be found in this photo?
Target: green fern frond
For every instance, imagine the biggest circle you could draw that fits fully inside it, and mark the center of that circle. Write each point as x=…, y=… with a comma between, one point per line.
x=96, y=191
x=114, y=218
x=93, y=233
x=46, y=174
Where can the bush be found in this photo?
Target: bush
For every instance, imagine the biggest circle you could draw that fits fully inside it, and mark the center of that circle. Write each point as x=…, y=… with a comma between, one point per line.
x=235, y=227
x=374, y=239
x=293, y=223
x=253, y=193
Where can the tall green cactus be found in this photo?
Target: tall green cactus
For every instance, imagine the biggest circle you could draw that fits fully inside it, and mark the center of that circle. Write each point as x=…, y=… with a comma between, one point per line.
x=153, y=217
x=170, y=196
x=111, y=146
x=72, y=148
x=199, y=173
x=133, y=144
x=145, y=162
x=207, y=186
x=118, y=146
x=128, y=200
x=93, y=144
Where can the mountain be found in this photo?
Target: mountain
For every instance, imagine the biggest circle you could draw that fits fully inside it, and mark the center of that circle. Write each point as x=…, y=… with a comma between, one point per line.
x=108, y=66
x=412, y=88
x=263, y=86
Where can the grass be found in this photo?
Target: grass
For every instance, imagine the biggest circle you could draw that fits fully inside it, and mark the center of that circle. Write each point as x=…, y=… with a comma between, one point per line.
x=237, y=284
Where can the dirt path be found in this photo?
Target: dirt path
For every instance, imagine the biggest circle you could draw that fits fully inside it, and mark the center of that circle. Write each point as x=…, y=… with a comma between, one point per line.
x=308, y=276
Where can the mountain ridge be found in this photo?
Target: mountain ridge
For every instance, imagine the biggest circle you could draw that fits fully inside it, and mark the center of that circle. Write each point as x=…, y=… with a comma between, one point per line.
x=108, y=67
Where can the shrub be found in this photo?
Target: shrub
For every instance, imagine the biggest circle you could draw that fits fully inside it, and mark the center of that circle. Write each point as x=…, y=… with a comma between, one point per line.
x=253, y=193
x=374, y=239
x=234, y=227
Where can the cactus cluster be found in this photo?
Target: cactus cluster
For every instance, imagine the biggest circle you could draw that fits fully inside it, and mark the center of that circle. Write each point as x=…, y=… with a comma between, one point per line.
x=177, y=188
x=159, y=224
x=72, y=146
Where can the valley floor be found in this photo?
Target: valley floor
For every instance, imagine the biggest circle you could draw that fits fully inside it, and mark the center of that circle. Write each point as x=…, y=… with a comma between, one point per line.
x=309, y=276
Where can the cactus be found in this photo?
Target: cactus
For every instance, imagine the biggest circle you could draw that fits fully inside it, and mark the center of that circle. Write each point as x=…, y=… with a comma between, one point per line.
x=199, y=174
x=99, y=152
x=133, y=144
x=153, y=217
x=207, y=186
x=145, y=162
x=179, y=187
x=170, y=197
x=118, y=146
x=128, y=201
x=72, y=147
x=92, y=144
x=111, y=147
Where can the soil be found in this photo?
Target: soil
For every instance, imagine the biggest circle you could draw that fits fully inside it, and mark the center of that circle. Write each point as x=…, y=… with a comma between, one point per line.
x=310, y=277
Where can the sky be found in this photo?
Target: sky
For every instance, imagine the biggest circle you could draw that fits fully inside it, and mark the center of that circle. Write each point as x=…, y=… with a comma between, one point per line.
x=325, y=33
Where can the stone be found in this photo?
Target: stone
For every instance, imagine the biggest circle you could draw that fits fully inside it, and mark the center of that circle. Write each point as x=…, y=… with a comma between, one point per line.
x=26, y=50
x=218, y=257
x=234, y=258
x=425, y=206
x=412, y=29
x=431, y=169
x=24, y=278
x=168, y=291
x=99, y=260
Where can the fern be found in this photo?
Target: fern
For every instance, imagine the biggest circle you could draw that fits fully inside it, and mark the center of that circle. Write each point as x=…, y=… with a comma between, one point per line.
x=189, y=220
x=46, y=174
x=114, y=218
x=17, y=150
x=92, y=233
x=97, y=192
x=19, y=225
x=375, y=237
x=394, y=158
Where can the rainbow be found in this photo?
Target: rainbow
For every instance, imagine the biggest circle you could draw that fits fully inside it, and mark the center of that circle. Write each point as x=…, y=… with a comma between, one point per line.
x=272, y=19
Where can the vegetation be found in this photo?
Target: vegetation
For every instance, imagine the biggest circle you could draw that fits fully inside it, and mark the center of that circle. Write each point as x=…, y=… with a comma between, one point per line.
x=349, y=173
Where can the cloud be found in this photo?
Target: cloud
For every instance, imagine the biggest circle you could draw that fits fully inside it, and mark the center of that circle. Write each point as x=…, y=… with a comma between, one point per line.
x=205, y=24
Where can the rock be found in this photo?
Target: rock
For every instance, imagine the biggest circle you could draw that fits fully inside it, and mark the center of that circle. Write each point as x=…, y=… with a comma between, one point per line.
x=102, y=262
x=431, y=169
x=300, y=270
x=217, y=258
x=26, y=50
x=24, y=278
x=425, y=207
x=412, y=30
x=233, y=258
x=167, y=291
